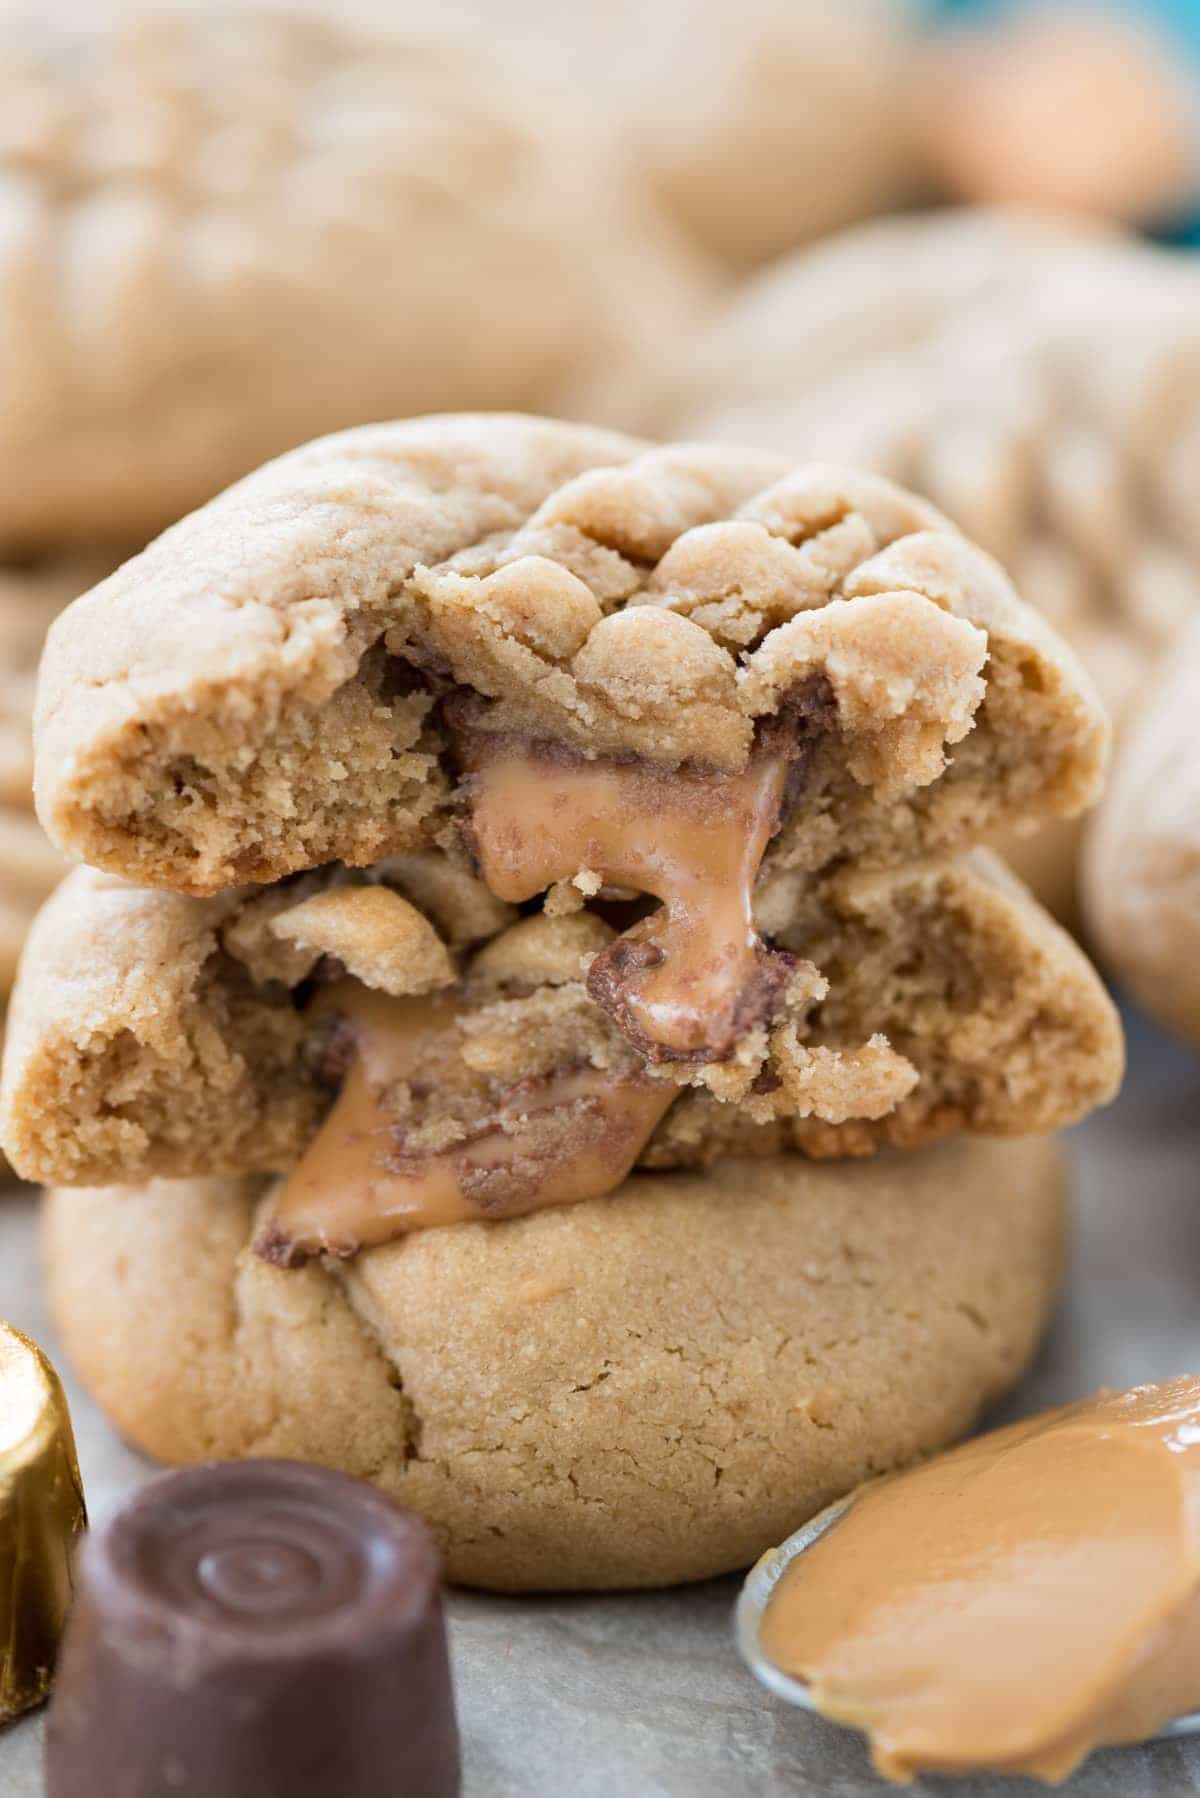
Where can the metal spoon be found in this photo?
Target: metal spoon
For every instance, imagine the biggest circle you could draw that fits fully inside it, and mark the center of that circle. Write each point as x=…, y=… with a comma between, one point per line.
x=760, y=1584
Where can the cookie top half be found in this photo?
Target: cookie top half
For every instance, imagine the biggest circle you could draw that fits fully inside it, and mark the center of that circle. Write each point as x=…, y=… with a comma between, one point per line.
x=225, y=229
x=327, y=660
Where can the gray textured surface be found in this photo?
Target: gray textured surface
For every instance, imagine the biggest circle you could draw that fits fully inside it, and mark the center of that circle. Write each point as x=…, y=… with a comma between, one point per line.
x=642, y=1697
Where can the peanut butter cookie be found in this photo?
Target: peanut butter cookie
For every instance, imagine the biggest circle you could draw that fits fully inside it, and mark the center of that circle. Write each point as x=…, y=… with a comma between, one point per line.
x=622, y=1393
x=228, y=227
x=1142, y=862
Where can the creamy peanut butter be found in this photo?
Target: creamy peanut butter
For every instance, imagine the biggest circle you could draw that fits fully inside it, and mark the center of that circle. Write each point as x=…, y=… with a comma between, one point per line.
x=689, y=980
x=572, y=1136
x=1031, y=1596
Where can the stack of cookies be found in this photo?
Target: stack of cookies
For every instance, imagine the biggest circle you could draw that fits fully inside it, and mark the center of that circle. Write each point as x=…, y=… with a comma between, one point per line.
x=535, y=1029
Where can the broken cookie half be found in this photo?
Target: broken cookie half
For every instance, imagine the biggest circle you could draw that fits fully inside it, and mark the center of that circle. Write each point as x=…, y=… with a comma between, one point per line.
x=404, y=1074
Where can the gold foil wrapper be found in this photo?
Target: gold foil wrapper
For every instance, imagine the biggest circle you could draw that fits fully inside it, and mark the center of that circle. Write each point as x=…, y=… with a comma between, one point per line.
x=41, y=1518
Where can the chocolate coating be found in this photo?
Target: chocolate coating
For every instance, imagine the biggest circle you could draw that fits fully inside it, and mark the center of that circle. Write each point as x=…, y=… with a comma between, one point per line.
x=256, y=1629
x=41, y=1518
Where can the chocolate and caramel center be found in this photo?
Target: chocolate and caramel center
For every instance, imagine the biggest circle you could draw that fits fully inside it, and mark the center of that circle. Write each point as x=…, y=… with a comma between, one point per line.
x=1031, y=1596
x=572, y=1135
x=686, y=982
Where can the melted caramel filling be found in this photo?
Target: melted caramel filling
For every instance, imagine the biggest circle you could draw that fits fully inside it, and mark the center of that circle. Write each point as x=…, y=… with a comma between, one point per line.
x=688, y=981
x=1014, y=1604
x=573, y=1136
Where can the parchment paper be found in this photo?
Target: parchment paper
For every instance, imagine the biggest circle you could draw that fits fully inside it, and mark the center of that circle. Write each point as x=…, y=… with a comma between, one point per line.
x=643, y=1696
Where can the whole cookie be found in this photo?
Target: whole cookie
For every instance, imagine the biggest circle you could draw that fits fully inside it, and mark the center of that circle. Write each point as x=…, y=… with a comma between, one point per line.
x=1040, y=383
x=228, y=227
x=1141, y=871
x=628, y=1392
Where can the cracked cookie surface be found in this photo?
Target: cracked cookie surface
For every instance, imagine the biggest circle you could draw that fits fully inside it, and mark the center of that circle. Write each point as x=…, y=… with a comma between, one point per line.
x=621, y=1394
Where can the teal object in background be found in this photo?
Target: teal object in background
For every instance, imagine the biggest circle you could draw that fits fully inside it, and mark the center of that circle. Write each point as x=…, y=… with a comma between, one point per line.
x=1181, y=18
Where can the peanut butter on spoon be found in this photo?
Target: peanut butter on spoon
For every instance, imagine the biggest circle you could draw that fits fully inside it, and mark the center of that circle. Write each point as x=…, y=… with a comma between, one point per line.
x=1016, y=1603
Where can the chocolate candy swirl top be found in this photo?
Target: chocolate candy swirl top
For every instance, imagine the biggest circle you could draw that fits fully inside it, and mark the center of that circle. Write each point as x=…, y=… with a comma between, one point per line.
x=240, y=1553
x=262, y=1627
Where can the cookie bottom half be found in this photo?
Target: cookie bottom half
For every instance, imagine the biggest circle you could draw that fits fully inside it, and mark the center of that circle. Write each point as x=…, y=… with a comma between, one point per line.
x=634, y=1391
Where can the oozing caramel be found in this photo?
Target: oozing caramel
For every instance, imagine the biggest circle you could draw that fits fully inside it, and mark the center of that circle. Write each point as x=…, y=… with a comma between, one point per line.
x=1015, y=1604
x=686, y=982
x=573, y=1136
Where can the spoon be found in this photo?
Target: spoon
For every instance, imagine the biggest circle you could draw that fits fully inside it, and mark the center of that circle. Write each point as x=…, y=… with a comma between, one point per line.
x=756, y=1594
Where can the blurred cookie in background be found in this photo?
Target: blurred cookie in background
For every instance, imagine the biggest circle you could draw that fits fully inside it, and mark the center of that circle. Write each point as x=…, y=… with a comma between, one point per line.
x=767, y=123
x=1075, y=108
x=226, y=228
x=1040, y=383
x=756, y=126
x=814, y=317
x=1141, y=876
